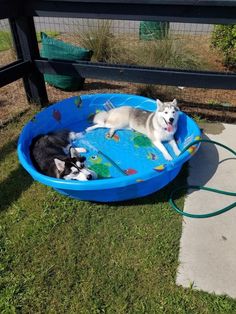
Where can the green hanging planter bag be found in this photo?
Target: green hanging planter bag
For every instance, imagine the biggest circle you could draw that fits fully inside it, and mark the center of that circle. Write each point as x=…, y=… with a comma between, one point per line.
x=58, y=50
x=150, y=30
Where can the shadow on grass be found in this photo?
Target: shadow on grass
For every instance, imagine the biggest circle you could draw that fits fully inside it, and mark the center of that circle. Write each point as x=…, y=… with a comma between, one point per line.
x=13, y=186
x=8, y=148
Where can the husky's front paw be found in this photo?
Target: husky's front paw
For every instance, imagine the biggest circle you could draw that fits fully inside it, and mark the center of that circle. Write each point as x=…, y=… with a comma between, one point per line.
x=108, y=135
x=177, y=152
x=168, y=157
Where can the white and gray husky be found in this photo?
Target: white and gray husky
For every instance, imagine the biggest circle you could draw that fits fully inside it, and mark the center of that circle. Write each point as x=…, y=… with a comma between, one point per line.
x=53, y=155
x=159, y=125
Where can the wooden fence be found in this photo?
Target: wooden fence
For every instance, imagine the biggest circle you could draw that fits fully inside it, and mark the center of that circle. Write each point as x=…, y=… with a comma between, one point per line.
x=31, y=67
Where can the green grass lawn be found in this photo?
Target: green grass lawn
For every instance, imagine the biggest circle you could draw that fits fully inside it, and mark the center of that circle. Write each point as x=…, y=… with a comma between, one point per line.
x=6, y=39
x=60, y=255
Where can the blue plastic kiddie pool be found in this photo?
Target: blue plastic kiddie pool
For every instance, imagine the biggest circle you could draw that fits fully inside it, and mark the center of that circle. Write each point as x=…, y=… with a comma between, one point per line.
x=128, y=165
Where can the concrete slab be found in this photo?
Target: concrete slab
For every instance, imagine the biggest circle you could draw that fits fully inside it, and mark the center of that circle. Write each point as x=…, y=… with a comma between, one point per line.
x=207, y=258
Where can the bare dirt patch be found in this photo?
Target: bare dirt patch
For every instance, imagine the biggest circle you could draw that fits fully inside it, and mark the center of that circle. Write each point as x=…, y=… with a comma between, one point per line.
x=7, y=57
x=217, y=105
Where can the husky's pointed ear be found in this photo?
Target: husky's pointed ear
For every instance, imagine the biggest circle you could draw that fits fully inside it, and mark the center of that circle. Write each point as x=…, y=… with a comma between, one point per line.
x=160, y=105
x=72, y=152
x=175, y=103
x=60, y=164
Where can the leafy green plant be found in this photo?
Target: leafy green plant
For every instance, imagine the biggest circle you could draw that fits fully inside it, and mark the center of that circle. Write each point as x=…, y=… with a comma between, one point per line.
x=5, y=41
x=224, y=39
x=100, y=40
x=168, y=52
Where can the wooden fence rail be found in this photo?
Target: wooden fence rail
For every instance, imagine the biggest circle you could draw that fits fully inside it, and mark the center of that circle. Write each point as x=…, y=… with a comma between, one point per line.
x=31, y=67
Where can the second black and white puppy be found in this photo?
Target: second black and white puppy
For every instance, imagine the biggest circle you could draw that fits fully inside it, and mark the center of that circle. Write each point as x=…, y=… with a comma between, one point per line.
x=53, y=155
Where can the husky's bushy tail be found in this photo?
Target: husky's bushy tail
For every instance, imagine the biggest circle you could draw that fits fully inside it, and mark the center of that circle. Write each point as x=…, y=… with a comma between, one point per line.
x=100, y=118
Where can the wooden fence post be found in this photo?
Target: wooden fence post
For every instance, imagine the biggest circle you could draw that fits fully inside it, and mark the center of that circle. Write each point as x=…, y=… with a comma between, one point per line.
x=26, y=45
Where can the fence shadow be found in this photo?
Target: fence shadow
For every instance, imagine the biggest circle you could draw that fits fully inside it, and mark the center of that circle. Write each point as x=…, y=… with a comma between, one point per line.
x=8, y=148
x=204, y=164
x=13, y=186
x=16, y=182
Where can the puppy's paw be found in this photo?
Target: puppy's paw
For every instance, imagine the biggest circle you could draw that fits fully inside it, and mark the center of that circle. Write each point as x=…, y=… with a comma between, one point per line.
x=75, y=136
x=80, y=150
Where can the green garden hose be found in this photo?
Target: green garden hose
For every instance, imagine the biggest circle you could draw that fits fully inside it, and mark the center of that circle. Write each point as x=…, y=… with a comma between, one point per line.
x=197, y=187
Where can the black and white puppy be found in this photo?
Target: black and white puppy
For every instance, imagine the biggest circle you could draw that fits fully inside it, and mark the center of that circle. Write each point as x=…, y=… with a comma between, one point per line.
x=52, y=155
